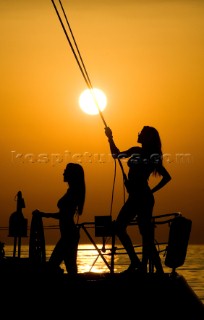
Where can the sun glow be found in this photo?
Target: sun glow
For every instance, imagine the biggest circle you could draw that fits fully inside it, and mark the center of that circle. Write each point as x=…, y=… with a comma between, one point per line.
x=92, y=100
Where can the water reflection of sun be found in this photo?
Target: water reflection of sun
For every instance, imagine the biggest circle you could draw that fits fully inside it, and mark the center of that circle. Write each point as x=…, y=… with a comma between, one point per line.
x=89, y=259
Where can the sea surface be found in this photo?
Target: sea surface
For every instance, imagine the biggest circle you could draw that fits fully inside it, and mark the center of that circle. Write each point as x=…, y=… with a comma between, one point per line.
x=90, y=260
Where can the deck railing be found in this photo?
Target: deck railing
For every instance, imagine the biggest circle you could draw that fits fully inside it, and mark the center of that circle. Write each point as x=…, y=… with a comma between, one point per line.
x=102, y=228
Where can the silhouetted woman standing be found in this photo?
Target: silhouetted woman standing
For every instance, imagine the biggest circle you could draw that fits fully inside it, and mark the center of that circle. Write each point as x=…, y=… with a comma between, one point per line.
x=71, y=204
x=143, y=162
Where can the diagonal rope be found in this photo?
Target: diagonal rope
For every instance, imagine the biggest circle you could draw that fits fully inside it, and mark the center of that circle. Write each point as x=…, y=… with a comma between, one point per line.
x=81, y=67
x=68, y=24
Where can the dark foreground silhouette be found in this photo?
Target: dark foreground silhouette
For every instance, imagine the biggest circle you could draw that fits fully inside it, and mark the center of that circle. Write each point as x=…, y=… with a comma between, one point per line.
x=143, y=161
x=70, y=205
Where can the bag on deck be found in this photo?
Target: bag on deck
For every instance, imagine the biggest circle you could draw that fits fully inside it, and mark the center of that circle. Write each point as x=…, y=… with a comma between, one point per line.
x=179, y=235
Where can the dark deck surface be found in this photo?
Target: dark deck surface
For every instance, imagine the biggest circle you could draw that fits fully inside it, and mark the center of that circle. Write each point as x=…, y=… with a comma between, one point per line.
x=93, y=295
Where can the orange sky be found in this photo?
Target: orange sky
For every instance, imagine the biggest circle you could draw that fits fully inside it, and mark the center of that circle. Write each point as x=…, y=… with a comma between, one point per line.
x=147, y=56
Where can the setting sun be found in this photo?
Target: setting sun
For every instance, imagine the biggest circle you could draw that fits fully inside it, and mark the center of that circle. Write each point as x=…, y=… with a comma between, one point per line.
x=92, y=100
